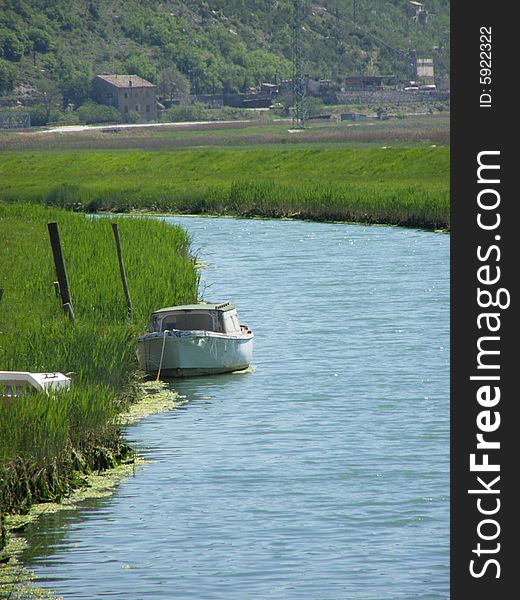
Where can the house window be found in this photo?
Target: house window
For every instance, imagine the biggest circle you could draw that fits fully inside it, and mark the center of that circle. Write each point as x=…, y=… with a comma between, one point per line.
x=147, y=108
x=137, y=107
x=126, y=109
x=136, y=94
x=110, y=95
x=126, y=94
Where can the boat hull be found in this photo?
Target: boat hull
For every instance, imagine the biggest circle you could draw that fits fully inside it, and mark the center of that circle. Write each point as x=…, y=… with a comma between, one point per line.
x=190, y=353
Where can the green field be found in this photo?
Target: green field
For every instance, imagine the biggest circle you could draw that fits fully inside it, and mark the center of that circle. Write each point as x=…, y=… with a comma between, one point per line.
x=375, y=184
x=46, y=444
x=411, y=129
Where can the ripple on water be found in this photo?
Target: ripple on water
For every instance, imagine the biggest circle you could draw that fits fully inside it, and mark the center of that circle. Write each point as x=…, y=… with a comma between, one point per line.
x=321, y=474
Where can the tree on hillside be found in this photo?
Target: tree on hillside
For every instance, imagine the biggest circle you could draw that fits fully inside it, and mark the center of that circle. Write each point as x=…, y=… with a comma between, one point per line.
x=74, y=78
x=49, y=101
x=140, y=65
x=40, y=39
x=173, y=83
x=11, y=46
x=7, y=76
x=219, y=46
x=266, y=66
x=76, y=88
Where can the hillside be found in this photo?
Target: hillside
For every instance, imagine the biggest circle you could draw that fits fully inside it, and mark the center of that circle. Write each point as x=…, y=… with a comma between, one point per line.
x=54, y=47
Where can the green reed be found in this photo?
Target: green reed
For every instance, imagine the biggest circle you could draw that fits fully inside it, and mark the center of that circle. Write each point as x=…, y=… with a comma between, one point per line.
x=43, y=441
x=405, y=186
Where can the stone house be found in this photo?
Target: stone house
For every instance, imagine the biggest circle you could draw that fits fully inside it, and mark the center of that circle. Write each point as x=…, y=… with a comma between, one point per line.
x=127, y=93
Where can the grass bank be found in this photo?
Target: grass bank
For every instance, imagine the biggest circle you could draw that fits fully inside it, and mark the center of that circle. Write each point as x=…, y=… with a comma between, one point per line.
x=17, y=580
x=48, y=444
x=402, y=186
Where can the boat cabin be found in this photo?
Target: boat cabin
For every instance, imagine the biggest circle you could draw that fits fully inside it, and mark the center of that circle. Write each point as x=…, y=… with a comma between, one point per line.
x=218, y=318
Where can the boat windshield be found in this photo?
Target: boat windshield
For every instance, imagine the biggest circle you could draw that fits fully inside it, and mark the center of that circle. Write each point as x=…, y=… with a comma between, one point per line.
x=202, y=321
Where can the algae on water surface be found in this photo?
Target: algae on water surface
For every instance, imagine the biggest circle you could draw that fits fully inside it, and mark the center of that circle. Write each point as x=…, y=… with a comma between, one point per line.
x=17, y=581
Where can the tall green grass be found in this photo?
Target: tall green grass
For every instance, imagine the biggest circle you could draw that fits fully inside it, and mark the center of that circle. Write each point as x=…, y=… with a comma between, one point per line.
x=45, y=441
x=405, y=186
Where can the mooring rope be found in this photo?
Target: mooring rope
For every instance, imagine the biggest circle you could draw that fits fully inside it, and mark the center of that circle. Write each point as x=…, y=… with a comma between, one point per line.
x=162, y=355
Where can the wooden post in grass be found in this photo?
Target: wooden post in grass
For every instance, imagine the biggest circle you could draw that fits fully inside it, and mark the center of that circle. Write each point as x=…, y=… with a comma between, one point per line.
x=1, y=293
x=69, y=311
x=61, y=271
x=122, y=271
x=3, y=536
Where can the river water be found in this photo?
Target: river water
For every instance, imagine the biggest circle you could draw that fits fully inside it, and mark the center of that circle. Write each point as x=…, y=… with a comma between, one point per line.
x=321, y=474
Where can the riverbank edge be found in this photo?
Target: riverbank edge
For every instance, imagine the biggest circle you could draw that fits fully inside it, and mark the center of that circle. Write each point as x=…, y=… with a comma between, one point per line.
x=408, y=187
x=16, y=579
x=94, y=455
x=269, y=217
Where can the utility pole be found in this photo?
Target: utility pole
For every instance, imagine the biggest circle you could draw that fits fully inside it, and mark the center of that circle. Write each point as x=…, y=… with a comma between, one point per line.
x=299, y=83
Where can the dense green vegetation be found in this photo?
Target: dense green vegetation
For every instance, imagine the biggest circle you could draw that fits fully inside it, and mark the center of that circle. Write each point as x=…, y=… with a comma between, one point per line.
x=407, y=186
x=46, y=444
x=207, y=47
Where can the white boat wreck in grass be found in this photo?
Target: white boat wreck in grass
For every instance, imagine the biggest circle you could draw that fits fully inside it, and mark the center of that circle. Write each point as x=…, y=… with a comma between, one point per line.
x=14, y=383
x=195, y=339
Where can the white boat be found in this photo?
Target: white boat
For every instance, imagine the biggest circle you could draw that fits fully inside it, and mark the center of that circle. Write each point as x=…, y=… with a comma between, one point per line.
x=195, y=339
x=14, y=383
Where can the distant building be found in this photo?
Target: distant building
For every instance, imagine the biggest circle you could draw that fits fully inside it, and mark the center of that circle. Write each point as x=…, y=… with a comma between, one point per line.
x=257, y=102
x=414, y=7
x=319, y=87
x=370, y=82
x=269, y=88
x=313, y=86
x=418, y=12
x=353, y=117
x=127, y=93
x=327, y=85
x=424, y=73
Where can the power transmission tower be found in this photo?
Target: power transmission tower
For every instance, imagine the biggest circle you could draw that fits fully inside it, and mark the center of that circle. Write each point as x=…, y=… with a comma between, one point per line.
x=299, y=83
